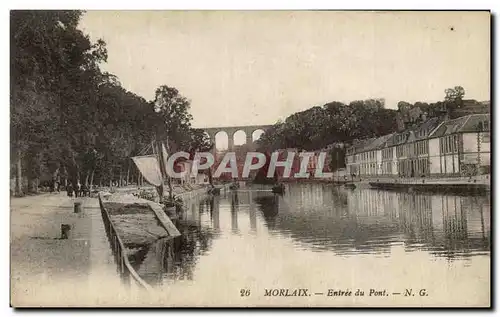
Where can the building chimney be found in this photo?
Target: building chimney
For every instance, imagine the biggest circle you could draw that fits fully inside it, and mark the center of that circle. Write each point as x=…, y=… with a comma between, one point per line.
x=446, y=115
x=423, y=116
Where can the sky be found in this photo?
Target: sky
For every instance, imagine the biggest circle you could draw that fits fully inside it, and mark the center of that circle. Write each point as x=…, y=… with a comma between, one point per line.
x=256, y=67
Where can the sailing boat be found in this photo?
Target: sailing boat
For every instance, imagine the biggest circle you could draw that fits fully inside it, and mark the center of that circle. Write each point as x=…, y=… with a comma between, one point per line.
x=154, y=170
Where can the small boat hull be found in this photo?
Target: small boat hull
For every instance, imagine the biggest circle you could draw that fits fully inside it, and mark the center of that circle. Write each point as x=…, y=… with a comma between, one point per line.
x=350, y=186
x=278, y=189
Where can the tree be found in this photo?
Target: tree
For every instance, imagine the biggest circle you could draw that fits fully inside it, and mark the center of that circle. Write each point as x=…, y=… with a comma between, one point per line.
x=52, y=67
x=317, y=127
x=454, y=98
x=174, y=120
x=199, y=141
x=63, y=107
x=337, y=158
x=455, y=93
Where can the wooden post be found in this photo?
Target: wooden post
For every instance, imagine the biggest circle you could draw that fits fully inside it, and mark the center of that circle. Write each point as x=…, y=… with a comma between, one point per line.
x=77, y=207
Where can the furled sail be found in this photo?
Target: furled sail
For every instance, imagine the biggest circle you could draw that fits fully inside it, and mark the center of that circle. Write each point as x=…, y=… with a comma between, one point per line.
x=149, y=168
x=165, y=155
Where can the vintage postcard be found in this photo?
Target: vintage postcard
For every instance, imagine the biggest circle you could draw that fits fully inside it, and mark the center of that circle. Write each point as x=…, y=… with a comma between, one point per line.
x=250, y=159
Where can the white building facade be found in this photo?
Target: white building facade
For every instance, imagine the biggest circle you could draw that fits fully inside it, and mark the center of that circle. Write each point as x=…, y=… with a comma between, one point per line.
x=435, y=148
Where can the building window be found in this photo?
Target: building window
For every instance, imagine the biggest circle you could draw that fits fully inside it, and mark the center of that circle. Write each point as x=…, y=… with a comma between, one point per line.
x=484, y=126
x=485, y=137
x=387, y=153
x=450, y=144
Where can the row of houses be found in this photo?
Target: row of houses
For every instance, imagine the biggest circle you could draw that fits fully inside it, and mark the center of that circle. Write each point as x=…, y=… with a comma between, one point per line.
x=435, y=147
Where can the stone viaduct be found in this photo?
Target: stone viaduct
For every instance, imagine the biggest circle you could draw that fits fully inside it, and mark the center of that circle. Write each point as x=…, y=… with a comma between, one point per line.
x=230, y=131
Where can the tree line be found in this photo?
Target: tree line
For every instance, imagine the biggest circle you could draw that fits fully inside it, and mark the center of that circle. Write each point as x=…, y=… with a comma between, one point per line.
x=70, y=120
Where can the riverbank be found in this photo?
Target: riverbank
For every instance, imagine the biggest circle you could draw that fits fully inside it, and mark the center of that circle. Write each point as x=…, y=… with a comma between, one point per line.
x=479, y=179
x=53, y=272
x=136, y=223
x=455, y=188
x=78, y=271
x=456, y=185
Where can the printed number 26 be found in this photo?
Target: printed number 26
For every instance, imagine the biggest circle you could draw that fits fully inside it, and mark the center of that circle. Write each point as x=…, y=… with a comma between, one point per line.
x=244, y=292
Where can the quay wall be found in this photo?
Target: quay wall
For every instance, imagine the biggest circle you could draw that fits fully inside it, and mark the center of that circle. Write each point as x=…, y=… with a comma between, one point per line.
x=192, y=193
x=188, y=195
x=453, y=188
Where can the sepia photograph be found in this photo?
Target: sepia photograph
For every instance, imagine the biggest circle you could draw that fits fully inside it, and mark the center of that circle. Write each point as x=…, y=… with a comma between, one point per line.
x=250, y=159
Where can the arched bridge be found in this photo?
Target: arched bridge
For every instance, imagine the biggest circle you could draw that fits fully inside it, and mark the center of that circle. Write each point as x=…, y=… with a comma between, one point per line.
x=230, y=131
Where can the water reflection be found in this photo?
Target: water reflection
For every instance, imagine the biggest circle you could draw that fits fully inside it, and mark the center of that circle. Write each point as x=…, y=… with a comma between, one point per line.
x=320, y=218
x=234, y=211
x=372, y=221
x=175, y=259
x=269, y=206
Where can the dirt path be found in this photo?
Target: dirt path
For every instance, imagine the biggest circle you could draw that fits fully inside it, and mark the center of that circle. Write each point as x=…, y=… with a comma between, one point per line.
x=48, y=271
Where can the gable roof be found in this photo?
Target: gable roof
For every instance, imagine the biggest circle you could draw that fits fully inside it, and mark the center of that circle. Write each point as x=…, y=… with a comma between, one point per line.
x=470, y=123
x=434, y=127
x=378, y=143
x=425, y=129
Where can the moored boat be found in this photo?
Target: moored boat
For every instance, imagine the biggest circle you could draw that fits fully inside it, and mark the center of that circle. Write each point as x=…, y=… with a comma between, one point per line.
x=278, y=189
x=350, y=186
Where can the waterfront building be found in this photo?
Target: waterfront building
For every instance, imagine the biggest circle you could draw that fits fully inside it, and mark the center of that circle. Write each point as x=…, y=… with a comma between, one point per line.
x=356, y=156
x=463, y=145
x=435, y=147
x=413, y=150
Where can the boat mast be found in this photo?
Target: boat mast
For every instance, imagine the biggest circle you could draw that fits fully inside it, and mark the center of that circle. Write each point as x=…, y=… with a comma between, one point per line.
x=157, y=150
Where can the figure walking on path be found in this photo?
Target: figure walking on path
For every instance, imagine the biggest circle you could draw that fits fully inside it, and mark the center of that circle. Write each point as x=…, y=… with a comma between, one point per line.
x=78, y=189
x=69, y=190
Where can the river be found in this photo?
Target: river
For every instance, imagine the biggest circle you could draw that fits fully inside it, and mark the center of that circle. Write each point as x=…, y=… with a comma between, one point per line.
x=236, y=247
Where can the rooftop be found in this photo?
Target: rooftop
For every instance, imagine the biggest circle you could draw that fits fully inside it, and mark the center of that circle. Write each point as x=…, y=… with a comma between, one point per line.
x=470, y=123
x=432, y=128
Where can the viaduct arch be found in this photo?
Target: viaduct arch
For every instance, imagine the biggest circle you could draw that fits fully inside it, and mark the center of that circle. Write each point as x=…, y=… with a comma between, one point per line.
x=230, y=131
